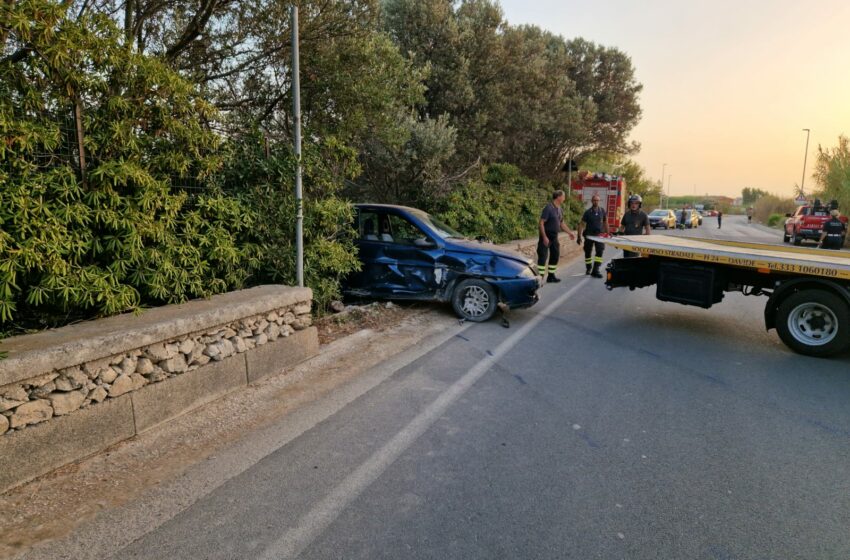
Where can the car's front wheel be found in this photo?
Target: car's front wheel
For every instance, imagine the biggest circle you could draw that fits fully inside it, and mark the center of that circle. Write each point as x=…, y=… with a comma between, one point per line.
x=474, y=300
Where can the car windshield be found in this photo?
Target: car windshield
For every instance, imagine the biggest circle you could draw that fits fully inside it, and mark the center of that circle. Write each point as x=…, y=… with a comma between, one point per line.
x=441, y=229
x=659, y=213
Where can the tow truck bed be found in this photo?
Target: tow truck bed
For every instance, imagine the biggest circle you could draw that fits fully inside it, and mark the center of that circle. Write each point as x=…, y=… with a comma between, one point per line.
x=760, y=257
x=808, y=289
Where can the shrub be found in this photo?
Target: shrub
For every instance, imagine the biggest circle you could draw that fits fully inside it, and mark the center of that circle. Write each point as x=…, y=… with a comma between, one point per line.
x=119, y=236
x=775, y=220
x=501, y=205
x=266, y=185
x=769, y=204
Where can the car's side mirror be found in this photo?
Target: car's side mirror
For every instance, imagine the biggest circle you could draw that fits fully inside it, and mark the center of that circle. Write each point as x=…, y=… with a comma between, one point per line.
x=423, y=242
x=787, y=215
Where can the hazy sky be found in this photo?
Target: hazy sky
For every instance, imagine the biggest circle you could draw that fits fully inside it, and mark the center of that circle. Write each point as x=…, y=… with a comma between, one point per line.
x=727, y=86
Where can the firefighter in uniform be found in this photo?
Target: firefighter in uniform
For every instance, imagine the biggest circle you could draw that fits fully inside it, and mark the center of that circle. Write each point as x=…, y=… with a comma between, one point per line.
x=832, y=235
x=548, y=247
x=635, y=221
x=593, y=222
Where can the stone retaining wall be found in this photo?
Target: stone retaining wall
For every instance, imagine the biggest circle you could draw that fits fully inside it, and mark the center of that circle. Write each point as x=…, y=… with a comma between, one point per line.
x=103, y=381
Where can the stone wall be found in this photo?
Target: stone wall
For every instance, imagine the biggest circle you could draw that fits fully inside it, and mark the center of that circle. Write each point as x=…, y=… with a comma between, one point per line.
x=227, y=341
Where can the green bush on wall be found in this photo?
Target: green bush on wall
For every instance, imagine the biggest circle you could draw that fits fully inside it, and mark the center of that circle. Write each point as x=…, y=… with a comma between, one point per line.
x=265, y=184
x=118, y=236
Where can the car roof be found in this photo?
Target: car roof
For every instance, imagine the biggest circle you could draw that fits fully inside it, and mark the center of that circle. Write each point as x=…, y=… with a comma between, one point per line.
x=386, y=207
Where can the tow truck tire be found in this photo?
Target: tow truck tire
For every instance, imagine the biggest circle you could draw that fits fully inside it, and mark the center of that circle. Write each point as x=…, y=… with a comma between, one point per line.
x=474, y=300
x=814, y=322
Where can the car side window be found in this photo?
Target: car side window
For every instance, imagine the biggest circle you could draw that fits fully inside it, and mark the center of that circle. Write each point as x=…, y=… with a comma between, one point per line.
x=368, y=226
x=403, y=231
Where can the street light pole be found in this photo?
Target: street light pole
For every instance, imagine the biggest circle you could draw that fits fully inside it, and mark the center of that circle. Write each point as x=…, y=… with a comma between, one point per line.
x=805, y=157
x=663, y=169
x=669, y=178
x=296, y=114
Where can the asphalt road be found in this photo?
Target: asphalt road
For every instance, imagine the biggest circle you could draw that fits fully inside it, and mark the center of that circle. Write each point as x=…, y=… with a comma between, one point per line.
x=600, y=425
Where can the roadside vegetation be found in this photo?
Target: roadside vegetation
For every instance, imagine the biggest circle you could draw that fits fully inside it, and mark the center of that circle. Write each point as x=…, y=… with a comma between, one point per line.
x=146, y=146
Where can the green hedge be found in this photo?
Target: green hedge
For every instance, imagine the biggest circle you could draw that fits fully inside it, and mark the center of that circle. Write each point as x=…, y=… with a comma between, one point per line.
x=501, y=205
x=119, y=236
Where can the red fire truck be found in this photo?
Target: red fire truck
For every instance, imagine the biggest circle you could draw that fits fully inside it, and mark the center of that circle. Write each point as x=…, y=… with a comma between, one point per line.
x=611, y=190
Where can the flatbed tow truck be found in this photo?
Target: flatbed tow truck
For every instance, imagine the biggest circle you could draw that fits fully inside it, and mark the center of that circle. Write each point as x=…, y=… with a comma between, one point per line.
x=808, y=290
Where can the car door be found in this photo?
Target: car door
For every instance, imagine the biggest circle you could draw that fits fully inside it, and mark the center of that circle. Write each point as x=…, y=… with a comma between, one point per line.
x=398, y=258
x=413, y=257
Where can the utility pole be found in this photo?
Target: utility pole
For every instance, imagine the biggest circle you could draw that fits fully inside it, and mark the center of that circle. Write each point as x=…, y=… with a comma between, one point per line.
x=663, y=168
x=296, y=112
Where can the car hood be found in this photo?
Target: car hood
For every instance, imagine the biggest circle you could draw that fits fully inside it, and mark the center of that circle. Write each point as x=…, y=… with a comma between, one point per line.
x=478, y=248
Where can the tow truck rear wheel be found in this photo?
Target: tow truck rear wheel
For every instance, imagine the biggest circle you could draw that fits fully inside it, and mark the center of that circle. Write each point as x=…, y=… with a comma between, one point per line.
x=474, y=300
x=814, y=323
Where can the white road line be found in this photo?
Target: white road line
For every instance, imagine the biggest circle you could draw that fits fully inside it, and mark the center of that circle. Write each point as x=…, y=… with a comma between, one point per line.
x=295, y=540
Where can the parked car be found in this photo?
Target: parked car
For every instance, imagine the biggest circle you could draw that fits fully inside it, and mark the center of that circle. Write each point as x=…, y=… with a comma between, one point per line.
x=662, y=218
x=408, y=254
x=806, y=223
x=691, y=219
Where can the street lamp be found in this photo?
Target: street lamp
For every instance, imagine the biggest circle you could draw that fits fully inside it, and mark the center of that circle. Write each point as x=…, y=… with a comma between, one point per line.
x=805, y=156
x=663, y=168
x=669, y=177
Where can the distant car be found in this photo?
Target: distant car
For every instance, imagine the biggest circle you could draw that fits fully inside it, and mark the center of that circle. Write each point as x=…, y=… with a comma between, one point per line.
x=691, y=220
x=662, y=218
x=408, y=254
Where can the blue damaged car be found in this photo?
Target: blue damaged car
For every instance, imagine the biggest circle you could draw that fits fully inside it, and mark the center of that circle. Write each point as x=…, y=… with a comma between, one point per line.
x=408, y=254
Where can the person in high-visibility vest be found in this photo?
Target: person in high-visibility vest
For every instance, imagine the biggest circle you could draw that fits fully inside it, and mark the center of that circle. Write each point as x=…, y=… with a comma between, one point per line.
x=548, y=246
x=593, y=222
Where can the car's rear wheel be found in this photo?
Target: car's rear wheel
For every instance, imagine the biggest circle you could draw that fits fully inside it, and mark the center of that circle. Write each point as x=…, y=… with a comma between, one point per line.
x=796, y=239
x=814, y=323
x=474, y=300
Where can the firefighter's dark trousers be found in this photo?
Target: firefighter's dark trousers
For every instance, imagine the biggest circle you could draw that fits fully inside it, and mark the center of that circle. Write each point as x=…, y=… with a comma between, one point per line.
x=552, y=253
x=590, y=261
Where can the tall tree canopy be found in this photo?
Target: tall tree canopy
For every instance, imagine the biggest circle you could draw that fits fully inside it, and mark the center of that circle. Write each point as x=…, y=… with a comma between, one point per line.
x=516, y=94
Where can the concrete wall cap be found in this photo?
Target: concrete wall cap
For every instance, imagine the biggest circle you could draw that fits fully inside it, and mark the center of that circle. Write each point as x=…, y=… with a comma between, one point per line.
x=34, y=354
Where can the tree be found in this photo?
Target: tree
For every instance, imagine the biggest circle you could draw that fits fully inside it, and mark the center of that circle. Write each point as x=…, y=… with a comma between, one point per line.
x=751, y=195
x=516, y=94
x=353, y=78
x=832, y=172
x=604, y=77
x=412, y=172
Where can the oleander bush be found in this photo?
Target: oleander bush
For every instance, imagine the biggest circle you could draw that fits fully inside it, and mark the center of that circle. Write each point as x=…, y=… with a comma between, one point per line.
x=118, y=234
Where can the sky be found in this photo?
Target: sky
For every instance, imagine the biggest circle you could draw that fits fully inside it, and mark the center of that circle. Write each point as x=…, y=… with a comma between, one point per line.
x=728, y=86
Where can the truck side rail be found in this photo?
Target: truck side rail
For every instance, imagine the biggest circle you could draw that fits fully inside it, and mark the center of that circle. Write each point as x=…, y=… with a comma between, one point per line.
x=760, y=258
